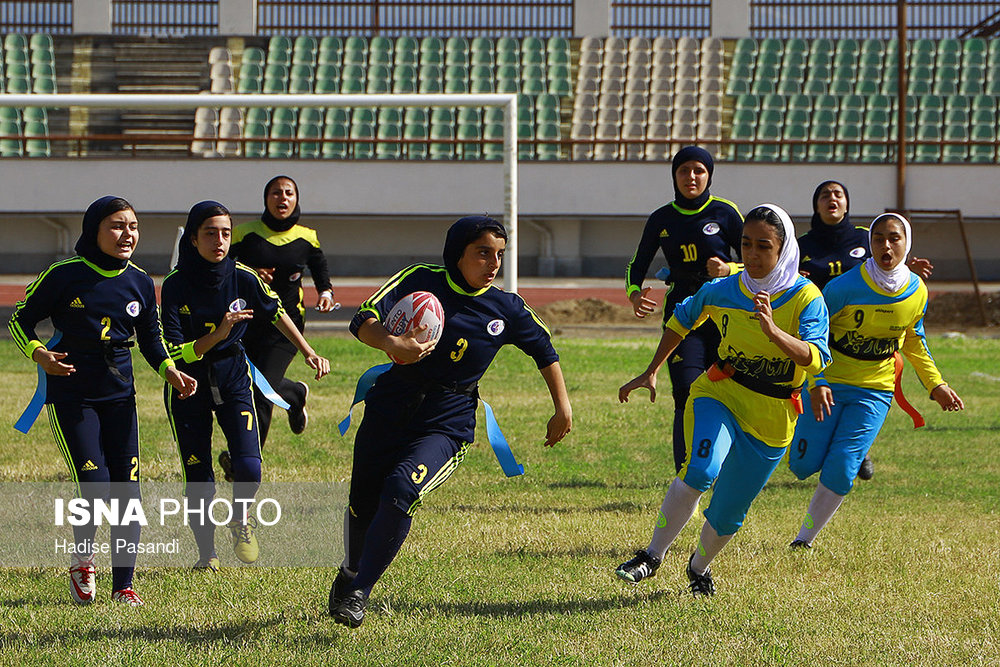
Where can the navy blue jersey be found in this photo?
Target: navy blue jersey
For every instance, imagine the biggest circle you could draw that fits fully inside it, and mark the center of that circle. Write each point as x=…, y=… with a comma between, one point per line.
x=97, y=312
x=688, y=239
x=825, y=257
x=190, y=311
x=288, y=252
x=477, y=324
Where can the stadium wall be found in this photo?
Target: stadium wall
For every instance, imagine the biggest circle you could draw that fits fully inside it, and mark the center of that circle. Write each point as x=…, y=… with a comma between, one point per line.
x=576, y=219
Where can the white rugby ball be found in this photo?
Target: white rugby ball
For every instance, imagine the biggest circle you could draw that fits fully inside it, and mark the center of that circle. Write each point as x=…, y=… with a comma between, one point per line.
x=413, y=311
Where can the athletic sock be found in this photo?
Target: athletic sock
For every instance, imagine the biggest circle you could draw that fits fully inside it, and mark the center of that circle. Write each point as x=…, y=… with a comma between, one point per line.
x=385, y=536
x=679, y=504
x=123, y=560
x=822, y=507
x=709, y=545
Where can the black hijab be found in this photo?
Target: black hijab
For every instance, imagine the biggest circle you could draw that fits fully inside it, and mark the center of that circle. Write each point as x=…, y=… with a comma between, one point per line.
x=272, y=222
x=460, y=235
x=86, y=245
x=687, y=154
x=831, y=235
x=195, y=268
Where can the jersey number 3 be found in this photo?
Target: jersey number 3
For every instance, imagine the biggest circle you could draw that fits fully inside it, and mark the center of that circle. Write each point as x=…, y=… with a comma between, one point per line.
x=461, y=344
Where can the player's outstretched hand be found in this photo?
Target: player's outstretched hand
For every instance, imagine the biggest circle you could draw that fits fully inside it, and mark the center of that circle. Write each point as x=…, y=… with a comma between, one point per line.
x=921, y=266
x=558, y=427
x=51, y=362
x=319, y=364
x=182, y=382
x=642, y=305
x=230, y=319
x=947, y=398
x=644, y=381
x=822, y=401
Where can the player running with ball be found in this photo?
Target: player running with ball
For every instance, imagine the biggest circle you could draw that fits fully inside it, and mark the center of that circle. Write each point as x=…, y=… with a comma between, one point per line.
x=420, y=415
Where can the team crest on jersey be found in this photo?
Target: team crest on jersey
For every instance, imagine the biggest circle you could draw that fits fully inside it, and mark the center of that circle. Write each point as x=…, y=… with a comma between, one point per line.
x=237, y=306
x=133, y=308
x=710, y=228
x=295, y=276
x=858, y=253
x=495, y=327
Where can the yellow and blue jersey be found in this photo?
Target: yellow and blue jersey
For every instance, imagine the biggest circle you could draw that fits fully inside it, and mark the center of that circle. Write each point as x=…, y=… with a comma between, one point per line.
x=799, y=310
x=868, y=324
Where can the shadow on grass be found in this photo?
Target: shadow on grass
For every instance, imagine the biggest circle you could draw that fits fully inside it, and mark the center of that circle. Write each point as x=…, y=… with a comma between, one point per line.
x=520, y=508
x=534, y=607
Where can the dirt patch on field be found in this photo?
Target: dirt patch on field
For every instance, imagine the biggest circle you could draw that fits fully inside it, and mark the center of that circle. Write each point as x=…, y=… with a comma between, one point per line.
x=587, y=311
x=950, y=311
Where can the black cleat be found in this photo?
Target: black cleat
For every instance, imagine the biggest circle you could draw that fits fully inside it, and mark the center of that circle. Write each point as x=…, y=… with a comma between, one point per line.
x=298, y=418
x=639, y=568
x=867, y=469
x=701, y=584
x=226, y=464
x=350, y=611
x=339, y=588
x=799, y=544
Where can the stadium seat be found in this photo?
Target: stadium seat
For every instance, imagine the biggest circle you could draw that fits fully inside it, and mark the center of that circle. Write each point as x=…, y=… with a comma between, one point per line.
x=335, y=150
x=388, y=150
x=258, y=147
x=928, y=152
x=820, y=152
x=848, y=152
x=10, y=147
x=764, y=152
x=280, y=147
x=982, y=153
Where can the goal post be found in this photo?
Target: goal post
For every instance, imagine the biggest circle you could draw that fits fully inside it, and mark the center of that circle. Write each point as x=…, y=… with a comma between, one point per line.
x=506, y=101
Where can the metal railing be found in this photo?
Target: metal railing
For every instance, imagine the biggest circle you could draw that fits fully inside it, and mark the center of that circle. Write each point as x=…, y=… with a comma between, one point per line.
x=416, y=17
x=51, y=16
x=931, y=19
x=650, y=18
x=165, y=17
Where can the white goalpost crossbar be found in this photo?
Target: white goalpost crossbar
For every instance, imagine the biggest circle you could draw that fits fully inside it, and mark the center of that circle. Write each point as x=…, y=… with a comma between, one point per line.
x=506, y=101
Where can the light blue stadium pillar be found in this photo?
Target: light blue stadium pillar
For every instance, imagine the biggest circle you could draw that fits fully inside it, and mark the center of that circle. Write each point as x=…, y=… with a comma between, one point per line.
x=592, y=18
x=730, y=18
x=91, y=17
x=237, y=17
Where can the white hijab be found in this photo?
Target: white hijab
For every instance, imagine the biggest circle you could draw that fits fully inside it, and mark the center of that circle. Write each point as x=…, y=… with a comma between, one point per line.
x=786, y=271
x=897, y=278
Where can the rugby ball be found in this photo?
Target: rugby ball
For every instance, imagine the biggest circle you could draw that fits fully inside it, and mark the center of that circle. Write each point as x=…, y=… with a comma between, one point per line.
x=413, y=311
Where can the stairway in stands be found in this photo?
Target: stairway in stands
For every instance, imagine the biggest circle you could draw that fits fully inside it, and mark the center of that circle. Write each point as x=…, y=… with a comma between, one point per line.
x=147, y=65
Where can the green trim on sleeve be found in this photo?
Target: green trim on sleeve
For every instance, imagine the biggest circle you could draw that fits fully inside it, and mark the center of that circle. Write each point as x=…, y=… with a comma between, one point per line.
x=188, y=354
x=33, y=345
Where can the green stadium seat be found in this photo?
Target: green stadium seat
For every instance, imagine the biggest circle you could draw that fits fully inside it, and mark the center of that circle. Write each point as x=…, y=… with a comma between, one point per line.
x=363, y=150
x=258, y=115
x=930, y=117
x=390, y=116
x=742, y=131
x=815, y=87
x=481, y=58
x=327, y=86
x=928, y=152
x=788, y=87
x=546, y=133
x=764, y=71
x=826, y=117
x=762, y=86
x=44, y=86
x=794, y=132
x=866, y=88
x=16, y=57
x=971, y=86
x=820, y=60
x=416, y=151
x=982, y=153
x=771, y=45
x=275, y=86
x=311, y=116
x=335, y=150
x=355, y=57
x=748, y=101
x=389, y=150
x=772, y=117
x=956, y=117
x=955, y=152
x=850, y=117
x=331, y=44
x=258, y=147
x=848, y=152
x=481, y=86
x=746, y=45
x=248, y=86
x=882, y=102
x=10, y=147
x=820, y=152
x=416, y=116
x=302, y=72
x=469, y=116
x=285, y=116
x=735, y=87
x=744, y=116
x=313, y=148
x=252, y=71
x=364, y=116
x=280, y=147
x=438, y=149
x=380, y=58
x=875, y=152
x=472, y=150
x=329, y=58
x=764, y=152
x=493, y=151
x=276, y=72
x=926, y=102
x=773, y=101
x=328, y=73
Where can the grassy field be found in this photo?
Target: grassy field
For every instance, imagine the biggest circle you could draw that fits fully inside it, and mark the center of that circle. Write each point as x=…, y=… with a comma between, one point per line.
x=511, y=572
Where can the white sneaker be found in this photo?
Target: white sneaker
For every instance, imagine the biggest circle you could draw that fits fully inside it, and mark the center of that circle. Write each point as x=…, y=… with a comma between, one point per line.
x=128, y=597
x=83, y=581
